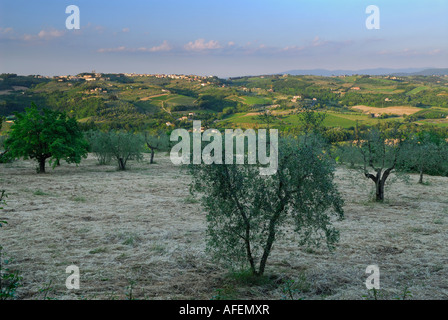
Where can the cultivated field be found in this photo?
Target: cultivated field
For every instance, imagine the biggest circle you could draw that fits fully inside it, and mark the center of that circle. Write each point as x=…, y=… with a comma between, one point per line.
x=141, y=228
x=398, y=110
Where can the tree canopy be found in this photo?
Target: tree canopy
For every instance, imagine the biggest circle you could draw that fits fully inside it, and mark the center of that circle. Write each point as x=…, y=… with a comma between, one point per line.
x=46, y=134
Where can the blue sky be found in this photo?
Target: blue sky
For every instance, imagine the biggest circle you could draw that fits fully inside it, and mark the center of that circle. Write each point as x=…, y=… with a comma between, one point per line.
x=224, y=38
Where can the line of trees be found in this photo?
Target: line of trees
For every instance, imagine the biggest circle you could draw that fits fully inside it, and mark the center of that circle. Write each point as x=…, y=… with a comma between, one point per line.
x=379, y=153
x=45, y=135
x=117, y=145
x=123, y=146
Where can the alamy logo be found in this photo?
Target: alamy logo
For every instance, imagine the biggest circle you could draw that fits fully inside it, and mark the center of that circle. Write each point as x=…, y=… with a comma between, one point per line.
x=213, y=153
x=373, y=21
x=72, y=281
x=373, y=280
x=73, y=20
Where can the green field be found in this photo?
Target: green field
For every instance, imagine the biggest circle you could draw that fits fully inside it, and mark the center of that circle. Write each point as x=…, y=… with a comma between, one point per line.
x=174, y=100
x=251, y=100
x=333, y=119
x=417, y=90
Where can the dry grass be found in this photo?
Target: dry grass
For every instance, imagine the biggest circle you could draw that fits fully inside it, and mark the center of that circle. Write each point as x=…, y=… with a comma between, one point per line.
x=398, y=110
x=142, y=227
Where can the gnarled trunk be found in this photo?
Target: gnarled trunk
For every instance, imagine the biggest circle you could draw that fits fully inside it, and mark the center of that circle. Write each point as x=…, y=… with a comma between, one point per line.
x=379, y=190
x=380, y=180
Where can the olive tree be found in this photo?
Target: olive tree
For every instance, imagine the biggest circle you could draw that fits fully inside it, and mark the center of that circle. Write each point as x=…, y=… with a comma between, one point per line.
x=376, y=154
x=46, y=134
x=158, y=141
x=124, y=146
x=248, y=212
x=100, y=146
x=425, y=152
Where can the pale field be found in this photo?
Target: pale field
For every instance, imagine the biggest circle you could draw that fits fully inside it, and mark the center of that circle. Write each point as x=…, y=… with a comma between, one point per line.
x=398, y=110
x=139, y=226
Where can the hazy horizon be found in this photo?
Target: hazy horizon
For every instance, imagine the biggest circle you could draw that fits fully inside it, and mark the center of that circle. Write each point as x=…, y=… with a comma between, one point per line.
x=400, y=70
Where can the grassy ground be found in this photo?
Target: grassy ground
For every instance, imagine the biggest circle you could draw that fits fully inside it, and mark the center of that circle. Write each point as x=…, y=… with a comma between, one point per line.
x=141, y=228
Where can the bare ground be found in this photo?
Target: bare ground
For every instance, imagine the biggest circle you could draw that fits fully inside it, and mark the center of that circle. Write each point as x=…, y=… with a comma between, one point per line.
x=398, y=110
x=140, y=227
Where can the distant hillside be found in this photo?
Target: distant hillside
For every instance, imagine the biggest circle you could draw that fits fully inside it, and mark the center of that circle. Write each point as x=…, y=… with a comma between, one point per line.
x=164, y=102
x=426, y=72
x=372, y=72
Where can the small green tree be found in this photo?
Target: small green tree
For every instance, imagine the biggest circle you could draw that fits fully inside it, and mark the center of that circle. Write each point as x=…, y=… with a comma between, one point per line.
x=266, y=117
x=312, y=121
x=46, y=134
x=247, y=212
x=158, y=141
x=425, y=152
x=100, y=146
x=124, y=146
x=378, y=152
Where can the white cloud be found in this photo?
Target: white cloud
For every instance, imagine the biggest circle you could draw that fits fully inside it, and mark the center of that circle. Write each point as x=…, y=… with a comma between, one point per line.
x=165, y=46
x=126, y=30
x=49, y=34
x=6, y=30
x=118, y=49
x=44, y=35
x=201, y=45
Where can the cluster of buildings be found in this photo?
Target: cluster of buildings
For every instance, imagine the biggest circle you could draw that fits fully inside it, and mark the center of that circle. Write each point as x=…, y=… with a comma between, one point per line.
x=184, y=118
x=170, y=76
x=98, y=76
x=85, y=77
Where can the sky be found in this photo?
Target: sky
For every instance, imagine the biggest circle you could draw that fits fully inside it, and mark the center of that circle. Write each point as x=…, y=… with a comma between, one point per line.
x=222, y=38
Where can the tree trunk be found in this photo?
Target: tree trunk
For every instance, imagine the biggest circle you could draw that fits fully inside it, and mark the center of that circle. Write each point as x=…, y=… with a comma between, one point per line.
x=121, y=164
x=249, y=251
x=380, y=181
x=421, y=176
x=152, y=156
x=379, y=190
x=41, y=165
x=272, y=233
